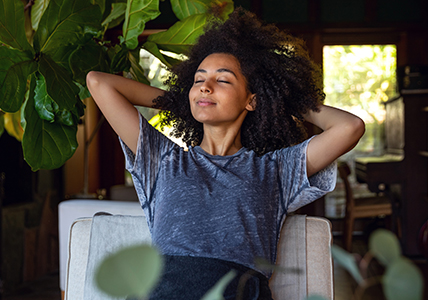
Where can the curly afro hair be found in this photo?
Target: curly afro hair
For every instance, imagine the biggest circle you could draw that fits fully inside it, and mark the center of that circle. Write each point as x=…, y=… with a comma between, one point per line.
x=278, y=70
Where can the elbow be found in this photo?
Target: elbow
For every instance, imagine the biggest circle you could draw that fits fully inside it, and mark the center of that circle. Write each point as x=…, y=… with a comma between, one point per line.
x=93, y=83
x=355, y=130
x=92, y=79
x=359, y=127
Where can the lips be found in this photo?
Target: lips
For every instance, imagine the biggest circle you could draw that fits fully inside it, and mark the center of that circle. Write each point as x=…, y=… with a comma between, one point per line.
x=205, y=102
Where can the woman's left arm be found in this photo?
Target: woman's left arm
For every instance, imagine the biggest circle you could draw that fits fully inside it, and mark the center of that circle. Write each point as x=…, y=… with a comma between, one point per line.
x=341, y=132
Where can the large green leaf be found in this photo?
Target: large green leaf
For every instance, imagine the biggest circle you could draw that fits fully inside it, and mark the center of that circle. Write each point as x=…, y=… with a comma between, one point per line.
x=385, y=246
x=37, y=11
x=47, y=108
x=100, y=3
x=403, y=281
x=59, y=84
x=138, y=13
x=12, y=25
x=84, y=92
x=116, y=16
x=90, y=56
x=185, y=8
x=179, y=37
x=136, y=70
x=62, y=56
x=46, y=145
x=43, y=103
x=67, y=22
x=119, y=58
x=132, y=271
x=15, y=67
x=165, y=59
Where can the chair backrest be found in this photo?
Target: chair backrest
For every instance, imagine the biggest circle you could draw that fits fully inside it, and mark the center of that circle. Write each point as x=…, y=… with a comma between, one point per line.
x=304, y=244
x=70, y=210
x=344, y=172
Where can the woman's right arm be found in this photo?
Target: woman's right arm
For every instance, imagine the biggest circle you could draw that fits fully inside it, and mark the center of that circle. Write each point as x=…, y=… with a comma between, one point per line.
x=116, y=97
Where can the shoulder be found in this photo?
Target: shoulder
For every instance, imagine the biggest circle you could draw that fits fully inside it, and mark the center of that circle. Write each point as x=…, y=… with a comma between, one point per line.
x=297, y=150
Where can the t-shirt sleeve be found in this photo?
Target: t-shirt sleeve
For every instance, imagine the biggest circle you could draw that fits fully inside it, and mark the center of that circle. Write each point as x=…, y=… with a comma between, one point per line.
x=297, y=189
x=145, y=163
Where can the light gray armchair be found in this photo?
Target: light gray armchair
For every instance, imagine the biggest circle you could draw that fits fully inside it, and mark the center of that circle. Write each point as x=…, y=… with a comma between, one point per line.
x=304, y=244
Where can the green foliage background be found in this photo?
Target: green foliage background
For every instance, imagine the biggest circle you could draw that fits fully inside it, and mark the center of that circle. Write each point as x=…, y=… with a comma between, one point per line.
x=46, y=50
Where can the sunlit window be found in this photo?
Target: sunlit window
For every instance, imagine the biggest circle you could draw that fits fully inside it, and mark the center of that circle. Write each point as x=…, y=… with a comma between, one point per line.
x=359, y=79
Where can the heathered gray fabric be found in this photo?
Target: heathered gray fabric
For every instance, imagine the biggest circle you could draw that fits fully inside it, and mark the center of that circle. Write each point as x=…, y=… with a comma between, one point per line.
x=225, y=207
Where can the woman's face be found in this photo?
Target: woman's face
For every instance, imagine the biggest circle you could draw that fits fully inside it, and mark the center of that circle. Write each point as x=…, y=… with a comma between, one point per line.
x=219, y=95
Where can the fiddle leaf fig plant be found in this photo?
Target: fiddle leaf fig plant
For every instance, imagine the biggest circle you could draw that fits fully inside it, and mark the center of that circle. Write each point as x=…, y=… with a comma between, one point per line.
x=48, y=46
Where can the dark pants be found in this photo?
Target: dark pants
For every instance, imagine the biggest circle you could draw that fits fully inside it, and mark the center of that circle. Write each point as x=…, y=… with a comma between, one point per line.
x=189, y=278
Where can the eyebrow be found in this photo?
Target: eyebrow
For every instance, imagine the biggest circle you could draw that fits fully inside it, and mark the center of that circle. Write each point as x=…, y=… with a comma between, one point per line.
x=221, y=70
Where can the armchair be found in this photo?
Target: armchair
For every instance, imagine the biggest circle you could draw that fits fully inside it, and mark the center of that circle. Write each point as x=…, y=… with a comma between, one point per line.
x=304, y=244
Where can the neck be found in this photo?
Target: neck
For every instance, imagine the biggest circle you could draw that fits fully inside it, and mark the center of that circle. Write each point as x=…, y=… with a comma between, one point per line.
x=220, y=142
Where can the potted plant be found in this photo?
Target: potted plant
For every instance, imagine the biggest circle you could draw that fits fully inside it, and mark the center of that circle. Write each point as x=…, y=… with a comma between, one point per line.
x=48, y=47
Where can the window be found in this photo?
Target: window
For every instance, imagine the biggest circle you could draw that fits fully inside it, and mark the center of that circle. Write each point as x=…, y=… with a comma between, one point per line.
x=359, y=79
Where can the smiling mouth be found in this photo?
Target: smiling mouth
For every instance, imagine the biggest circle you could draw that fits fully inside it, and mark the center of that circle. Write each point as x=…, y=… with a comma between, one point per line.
x=205, y=102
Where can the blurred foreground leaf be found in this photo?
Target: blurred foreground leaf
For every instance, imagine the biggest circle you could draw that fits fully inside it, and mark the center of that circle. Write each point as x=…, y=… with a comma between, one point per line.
x=403, y=281
x=216, y=292
x=132, y=271
x=347, y=261
x=385, y=246
x=315, y=297
x=264, y=264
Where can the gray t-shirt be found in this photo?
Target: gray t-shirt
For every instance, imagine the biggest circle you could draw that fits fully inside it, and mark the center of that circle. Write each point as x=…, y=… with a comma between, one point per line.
x=225, y=207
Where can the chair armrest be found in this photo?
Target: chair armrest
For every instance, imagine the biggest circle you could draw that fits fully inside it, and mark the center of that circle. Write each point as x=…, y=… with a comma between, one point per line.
x=70, y=210
x=304, y=245
x=319, y=259
x=78, y=247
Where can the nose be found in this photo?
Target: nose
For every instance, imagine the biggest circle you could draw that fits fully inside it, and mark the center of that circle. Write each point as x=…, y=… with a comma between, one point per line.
x=206, y=88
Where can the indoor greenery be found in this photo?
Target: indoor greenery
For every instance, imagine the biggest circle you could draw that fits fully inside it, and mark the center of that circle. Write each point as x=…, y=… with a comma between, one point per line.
x=134, y=271
x=48, y=46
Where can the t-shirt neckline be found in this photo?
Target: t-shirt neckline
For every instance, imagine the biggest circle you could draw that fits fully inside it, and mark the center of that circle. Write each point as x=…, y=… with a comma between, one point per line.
x=203, y=152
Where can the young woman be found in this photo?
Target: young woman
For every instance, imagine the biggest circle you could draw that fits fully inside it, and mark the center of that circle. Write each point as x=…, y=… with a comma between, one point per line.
x=238, y=102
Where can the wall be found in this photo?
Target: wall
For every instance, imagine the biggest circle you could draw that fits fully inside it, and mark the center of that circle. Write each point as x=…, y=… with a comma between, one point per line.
x=74, y=167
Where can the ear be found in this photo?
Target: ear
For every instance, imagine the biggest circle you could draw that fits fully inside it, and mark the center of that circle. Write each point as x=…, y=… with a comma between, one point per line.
x=251, y=106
